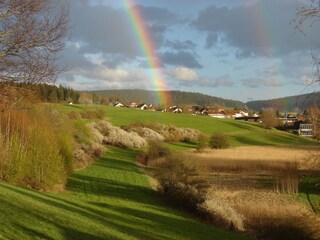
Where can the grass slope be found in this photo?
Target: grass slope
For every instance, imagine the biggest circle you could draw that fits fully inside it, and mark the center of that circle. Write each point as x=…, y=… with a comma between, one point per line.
x=110, y=199
x=240, y=133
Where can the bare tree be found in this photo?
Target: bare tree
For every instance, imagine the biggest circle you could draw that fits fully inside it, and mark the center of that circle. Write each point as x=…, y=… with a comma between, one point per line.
x=32, y=33
x=313, y=116
x=268, y=118
x=85, y=98
x=310, y=15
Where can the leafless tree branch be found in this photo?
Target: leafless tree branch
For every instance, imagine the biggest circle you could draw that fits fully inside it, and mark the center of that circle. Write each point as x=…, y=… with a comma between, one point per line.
x=32, y=34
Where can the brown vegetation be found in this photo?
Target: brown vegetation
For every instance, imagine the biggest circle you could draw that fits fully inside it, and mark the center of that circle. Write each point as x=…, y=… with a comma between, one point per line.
x=181, y=184
x=33, y=152
x=249, y=191
x=31, y=38
x=218, y=141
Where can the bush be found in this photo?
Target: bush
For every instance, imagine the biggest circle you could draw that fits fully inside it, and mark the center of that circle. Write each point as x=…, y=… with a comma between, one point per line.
x=116, y=136
x=181, y=184
x=218, y=141
x=169, y=132
x=268, y=118
x=74, y=115
x=31, y=150
x=89, y=144
x=93, y=114
x=202, y=143
x=154, y=151
x=148, y=134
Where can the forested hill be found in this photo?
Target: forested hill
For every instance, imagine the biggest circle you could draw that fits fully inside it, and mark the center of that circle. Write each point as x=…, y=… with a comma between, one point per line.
x=177, y=97
x=288, y=104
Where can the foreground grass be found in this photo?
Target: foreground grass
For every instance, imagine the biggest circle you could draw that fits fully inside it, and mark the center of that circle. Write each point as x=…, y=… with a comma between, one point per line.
x=110, y=199
x=240, y=133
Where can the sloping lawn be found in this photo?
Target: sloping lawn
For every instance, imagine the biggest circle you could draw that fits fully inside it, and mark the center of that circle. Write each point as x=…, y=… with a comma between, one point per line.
x=110, y=199
x=240, y=133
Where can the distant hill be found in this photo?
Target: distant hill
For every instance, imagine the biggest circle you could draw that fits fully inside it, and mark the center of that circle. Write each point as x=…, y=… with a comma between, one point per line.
x=178, y=97
x=288, y=104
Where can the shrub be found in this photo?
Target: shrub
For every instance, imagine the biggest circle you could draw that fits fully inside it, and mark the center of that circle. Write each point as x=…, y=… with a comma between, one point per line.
x=116, y=136
x=32, y=150
x=154, y=151
x=218, y=141
x=202, y=143
x=268, y=118
x=169, y=132
x=74, y=115
x=64, y=130
x=148, y=134
x=181, y=184
x=93, y=114
x=89, y=144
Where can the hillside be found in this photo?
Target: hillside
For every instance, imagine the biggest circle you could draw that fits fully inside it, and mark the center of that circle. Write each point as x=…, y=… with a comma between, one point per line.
x=240, y=133
x=178, y=97
x=111, y=199
x=288, y=104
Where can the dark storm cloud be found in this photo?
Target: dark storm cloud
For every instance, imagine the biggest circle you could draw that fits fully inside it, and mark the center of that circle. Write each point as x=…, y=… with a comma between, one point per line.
x=104, y=29
x=182, y=58
x=72, y=59
x=260, y=29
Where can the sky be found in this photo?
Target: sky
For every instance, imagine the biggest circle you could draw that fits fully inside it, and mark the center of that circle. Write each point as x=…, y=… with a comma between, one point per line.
x=236, y=49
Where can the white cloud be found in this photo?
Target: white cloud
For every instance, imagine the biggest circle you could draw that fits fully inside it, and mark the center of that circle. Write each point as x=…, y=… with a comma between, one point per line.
x=184, y=74
x=257, y=82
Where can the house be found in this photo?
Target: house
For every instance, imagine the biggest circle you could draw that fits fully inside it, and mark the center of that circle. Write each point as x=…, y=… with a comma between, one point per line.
x=249, y=118
x=142, y=106
x=151, y=108
x=233, y=114
x=175, y=109
x=304, y=128
x=217, y=114
x=133, y=105
x=197, y=110
x=289, y=119
x=118, y=104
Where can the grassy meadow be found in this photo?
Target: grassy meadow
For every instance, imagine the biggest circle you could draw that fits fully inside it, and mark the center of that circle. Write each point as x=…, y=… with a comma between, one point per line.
x=110, y=199
x=113, y=198
x=240, y=133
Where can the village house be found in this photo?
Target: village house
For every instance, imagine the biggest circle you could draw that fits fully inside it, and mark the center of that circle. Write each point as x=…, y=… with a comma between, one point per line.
x=304, y=128
x=118, y=104
x=142, y=106
x=217, y=114
x=133, y=105
x=175, y=109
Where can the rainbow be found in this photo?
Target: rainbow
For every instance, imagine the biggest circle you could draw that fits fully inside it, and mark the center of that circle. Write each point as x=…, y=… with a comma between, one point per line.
x=148, y=48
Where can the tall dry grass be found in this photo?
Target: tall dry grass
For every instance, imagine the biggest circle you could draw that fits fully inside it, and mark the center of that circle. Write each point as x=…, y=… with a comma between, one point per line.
x=268, y=215
x=30, y=150
x=253, y=159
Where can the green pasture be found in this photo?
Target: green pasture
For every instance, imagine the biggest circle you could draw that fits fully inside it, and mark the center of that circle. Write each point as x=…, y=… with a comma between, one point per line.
x=110, y=199
x=240, y=133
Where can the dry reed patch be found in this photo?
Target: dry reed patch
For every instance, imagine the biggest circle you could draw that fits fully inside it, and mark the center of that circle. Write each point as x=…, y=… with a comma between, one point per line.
x=253, y=158
x=269, y=215
x=257, y=153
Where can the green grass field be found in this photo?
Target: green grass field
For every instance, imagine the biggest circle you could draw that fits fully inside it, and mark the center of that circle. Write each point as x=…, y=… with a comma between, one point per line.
x=110, y=199
x=240, y=133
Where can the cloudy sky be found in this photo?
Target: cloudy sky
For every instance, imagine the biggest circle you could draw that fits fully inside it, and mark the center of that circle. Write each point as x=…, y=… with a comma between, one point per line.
x=236, y=49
